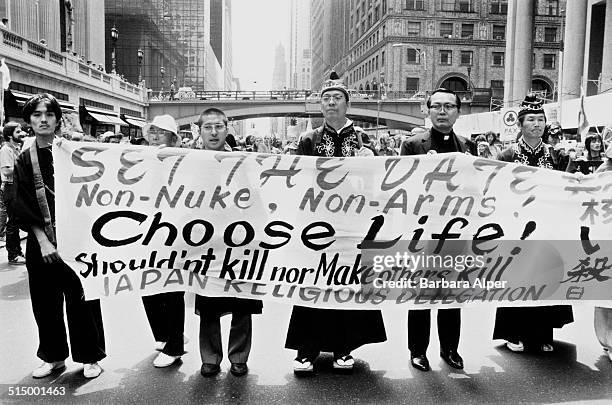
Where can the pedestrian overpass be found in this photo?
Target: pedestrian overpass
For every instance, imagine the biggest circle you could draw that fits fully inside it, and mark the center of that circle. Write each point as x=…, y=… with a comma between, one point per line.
x=401, y=114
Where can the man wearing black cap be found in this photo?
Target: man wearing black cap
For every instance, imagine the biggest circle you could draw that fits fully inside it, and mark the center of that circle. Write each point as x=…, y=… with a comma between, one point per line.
x=444, y=107
x=312, y=330
x=530, y=327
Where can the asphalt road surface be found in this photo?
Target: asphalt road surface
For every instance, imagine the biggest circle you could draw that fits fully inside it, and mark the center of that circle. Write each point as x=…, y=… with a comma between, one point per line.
x=578, y=371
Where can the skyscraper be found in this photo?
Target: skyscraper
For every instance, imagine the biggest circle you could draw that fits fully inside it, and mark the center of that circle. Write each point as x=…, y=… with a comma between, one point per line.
x=299, y=51
x=279, y=74
x=181, y=36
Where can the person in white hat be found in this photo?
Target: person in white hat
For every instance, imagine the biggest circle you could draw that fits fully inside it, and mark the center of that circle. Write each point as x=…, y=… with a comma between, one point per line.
x=165, y=311
x=162, y=131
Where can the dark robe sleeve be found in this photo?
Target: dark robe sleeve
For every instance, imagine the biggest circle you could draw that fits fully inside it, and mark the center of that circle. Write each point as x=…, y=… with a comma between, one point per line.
x=26, y=210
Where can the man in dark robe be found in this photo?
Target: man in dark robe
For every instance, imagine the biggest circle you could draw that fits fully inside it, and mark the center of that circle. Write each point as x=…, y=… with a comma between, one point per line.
x=313, y=330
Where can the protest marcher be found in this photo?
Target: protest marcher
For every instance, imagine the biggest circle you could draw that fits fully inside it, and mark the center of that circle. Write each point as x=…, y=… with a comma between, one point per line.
x=213, y=130
x=444, y=107
x=13, y=139
x=385, y=149
x=552, y=136
x=165, y=311
x=495, y=146
x=312, y=330
x=483, y=148
x=530, y=327
x=603, y=315
x=593, y=158
x=51, y=280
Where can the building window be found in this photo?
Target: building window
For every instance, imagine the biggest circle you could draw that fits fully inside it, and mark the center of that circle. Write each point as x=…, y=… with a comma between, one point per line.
x=414, y=5
x=467, y=57
x=414, y=29
x=550, y=34
x=446, y=5
x=376, y=13
x=412, y=56
x=376, y=62
x=446, y=30
x=412, y=84
x=549, y=61
x=467, y=30
x=499, y=6
x=499, y=32
x=446, y=57
x=384, y=7
x=497, y=84
x=382, y=58
x=552, y=7
x=465, y=6
x=498, y=59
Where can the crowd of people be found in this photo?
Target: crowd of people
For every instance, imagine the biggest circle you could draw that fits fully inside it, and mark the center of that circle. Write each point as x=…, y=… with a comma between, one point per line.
x=28, y=187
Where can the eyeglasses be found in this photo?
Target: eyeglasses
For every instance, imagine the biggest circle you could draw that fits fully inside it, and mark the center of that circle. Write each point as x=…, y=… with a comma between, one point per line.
x=209, y=128
x=337, y=98
x=447, y=107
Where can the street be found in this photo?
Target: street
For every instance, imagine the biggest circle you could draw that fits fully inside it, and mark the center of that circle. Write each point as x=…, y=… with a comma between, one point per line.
x=578, y=370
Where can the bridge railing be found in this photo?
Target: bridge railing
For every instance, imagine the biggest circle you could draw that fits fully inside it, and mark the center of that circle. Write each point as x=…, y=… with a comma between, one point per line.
x=291, y=95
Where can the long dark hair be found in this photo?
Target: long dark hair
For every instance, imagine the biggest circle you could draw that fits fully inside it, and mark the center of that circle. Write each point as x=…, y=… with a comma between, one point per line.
x=50, y=102
x=587, y=145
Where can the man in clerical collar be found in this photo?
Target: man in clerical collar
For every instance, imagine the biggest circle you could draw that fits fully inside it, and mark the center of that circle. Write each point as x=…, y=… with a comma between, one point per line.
x=444, y=107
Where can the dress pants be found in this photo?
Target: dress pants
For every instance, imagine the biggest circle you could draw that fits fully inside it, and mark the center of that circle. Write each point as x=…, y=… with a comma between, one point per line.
x=211, y=348
x=166, y=315
x=419, y=325
x=13, y=242
x=50, y=285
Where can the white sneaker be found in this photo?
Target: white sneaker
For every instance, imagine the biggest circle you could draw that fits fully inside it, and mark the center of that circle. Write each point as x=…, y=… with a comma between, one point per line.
x=344, y=362
x=91, y=370
x=547, y=347
x=46, y=369
x=165, y=360
x=302, y=366
x=516, y=347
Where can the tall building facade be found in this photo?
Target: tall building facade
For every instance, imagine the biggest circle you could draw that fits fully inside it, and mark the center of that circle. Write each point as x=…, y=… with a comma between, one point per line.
x=329, y=38
x=279, y=73
x=62, y=26
x=410, y=46
x=299, y=51
x=181, y=36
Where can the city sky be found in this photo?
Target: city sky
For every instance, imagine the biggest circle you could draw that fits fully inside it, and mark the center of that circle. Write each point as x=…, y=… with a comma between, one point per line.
x=258, y=26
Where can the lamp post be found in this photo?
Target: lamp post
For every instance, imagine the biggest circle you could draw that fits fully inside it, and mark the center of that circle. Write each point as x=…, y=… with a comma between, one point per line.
x=114, y=32
x=140, y=56
x=469, y=71
x=162, y=71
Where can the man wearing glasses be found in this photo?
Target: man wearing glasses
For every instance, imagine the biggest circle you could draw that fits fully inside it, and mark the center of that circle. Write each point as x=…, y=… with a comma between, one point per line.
x=444, y=107
x=213, y=131
x=340, y=331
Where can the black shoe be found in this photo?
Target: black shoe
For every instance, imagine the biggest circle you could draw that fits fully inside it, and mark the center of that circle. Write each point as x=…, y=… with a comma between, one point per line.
x=209, y=370
x=239, y=369
x=420, y=362
x=452, y=358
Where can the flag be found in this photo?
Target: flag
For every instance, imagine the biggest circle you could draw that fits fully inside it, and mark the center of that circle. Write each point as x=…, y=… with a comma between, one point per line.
x=5, y=75
x=583, y=122
x=5, y=79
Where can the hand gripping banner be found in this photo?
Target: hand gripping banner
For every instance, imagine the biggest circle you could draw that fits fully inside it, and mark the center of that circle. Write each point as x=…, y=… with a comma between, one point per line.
x=432, y=230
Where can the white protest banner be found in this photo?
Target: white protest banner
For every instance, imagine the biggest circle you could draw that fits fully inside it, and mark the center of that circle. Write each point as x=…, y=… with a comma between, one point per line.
x=446, y=229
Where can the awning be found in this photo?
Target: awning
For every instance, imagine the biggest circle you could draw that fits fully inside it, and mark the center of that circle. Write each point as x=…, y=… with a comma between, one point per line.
x=103, y=116
x=22, y=97
x=135, y=122
x=106, y=119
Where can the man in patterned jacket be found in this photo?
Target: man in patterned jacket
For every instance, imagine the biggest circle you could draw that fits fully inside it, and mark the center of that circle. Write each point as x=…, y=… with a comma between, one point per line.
x=312, y=330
